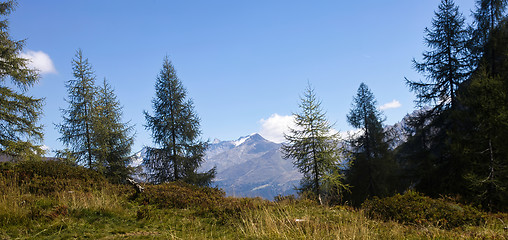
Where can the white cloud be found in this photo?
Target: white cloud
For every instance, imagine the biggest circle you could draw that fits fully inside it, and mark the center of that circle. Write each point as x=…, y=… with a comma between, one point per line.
x=275, y=126
x=40, y=61
x=46, y=149
x=390, y=105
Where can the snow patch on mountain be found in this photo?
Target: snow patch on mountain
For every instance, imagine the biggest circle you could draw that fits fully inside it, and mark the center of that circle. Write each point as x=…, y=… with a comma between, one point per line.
x=251, y=166
x=241, y=140
x=260, y=187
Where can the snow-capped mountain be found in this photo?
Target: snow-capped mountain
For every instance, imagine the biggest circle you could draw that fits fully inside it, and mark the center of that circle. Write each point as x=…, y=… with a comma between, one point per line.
x=251, y=166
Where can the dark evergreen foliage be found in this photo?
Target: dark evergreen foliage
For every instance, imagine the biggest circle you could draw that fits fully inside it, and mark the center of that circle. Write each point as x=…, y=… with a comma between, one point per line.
x=481, y=140
x=19, y=113
x=459, y=147
x=413, y=208
x=372, y=171
x=314, y=148
x=175, y=128
x=426, y=159
x=430, y=165
x=488, y=14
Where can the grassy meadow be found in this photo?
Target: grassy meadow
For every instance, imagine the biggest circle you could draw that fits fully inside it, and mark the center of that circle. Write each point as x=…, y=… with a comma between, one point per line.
x=50, y=200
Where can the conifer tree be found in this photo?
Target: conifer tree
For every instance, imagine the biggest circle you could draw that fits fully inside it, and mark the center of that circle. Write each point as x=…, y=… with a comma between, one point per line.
x=488, y=14
x=445, y=65
x=313, y=146
x=428, y=151
x=417, y=156
x=111, y=138
x=483, y=144
x=372, y=171
x=175, y=129
x=19, y=113
x=77, y=126
x=481, y=140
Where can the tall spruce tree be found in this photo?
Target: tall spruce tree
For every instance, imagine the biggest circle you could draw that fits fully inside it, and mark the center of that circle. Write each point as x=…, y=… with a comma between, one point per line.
x=313, y=147
x=372, y=172
x=111, y=139
x=77, y=125
x=175, y=128
x=19, y=113
x=446, y=65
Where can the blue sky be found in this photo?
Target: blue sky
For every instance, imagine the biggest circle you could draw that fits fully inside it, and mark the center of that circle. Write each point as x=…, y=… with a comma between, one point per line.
x=244, y=63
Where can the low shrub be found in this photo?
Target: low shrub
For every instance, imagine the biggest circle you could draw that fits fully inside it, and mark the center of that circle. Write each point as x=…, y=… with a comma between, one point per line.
x=286, y=199
x=415, y=208
x=180, y=195
x=45, y=177
x=204, y=201
x=58, y=170
x=230, y=209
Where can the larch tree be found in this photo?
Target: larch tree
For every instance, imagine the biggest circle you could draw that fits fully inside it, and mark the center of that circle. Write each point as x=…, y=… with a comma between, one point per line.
x=373, y=169
x=446, y=65
x=175, y=129
x=20, y=133
x=77, y=126
x=313, y=146
x=111, y=139
x=488, y=14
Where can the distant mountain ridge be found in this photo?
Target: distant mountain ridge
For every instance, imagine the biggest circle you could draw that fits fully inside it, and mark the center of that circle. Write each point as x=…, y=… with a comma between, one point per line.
x=251, y=166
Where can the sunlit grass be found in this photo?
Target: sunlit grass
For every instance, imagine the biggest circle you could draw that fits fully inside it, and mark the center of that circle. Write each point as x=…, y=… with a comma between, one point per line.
x=113, y=212
x=316, y=222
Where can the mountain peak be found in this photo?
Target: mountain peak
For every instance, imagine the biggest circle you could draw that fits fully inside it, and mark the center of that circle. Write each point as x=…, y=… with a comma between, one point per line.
x=251, y=166
x=257, y=137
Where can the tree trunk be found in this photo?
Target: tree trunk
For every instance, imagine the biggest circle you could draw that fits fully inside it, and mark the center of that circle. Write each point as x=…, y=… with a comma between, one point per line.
x=87, y=132
x=316, y=173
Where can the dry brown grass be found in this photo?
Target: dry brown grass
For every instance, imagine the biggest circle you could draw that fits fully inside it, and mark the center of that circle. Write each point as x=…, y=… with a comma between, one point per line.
x=316, y=222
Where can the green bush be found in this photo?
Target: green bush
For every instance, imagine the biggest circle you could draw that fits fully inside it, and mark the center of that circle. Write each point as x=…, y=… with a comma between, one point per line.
x=230, y=209
x=205, y=201
x=414, y=208
x=57, y=170
x=286, y=199
x=180, y=195
x=45, y=177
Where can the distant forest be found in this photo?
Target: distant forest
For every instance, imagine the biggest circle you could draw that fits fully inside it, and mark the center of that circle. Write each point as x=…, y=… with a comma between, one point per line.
x=456, y=143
